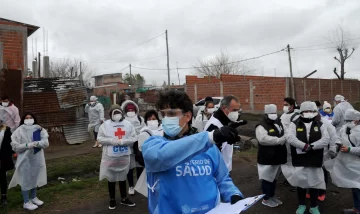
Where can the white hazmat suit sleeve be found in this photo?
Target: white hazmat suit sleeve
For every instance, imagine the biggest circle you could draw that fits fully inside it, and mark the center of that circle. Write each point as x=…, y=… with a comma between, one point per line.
x=355, y=139
x=292, y=139
x=131, y=139
x=199, y=124
x=16, y=144
x=104, y=139
x=87, y=108
x=337, y=116
x=324, y=141
x=44, y=142
x=142, y=138
x=264, y=139
x=101, y=112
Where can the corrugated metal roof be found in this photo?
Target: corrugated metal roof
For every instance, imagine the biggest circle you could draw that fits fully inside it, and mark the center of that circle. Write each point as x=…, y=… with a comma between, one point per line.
x=71, y=97
x=49, y=84
x=41, y=102
x=77, y=133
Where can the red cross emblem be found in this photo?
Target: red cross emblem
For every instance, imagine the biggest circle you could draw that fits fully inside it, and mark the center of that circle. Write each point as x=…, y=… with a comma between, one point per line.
x=119, y=133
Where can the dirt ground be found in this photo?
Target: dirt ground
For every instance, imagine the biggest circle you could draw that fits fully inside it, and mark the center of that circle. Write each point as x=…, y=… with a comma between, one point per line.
x=244, y=175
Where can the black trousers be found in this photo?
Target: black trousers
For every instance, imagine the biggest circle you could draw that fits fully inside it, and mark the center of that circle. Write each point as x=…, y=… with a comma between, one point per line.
x=3, y=182
x=122, y=187
x=95, y=135
x=130, y=175
x=326, y=176
x=268, y=188
x=314, y=193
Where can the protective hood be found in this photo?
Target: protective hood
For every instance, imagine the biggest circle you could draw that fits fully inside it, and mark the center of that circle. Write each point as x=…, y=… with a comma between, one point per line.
x=127, y=102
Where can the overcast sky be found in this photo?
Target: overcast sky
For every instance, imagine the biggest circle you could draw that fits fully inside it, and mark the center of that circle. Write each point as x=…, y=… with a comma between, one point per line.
x=108, y=34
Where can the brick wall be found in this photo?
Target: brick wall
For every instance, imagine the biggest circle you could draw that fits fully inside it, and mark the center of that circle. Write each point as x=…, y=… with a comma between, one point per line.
x=266, y=90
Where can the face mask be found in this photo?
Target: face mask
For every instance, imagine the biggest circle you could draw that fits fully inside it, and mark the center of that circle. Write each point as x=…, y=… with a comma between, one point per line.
x=210, y=110
x=153, y=124
x=272, y=116
x=351, y=124
x=308, y=115
x=131, y=114
x=286, y=109
x=117, y=117
x=5, y=104
x=327, y=110
x=171, y=126
x=29, y=122
x=233, y=116
x=92, y=103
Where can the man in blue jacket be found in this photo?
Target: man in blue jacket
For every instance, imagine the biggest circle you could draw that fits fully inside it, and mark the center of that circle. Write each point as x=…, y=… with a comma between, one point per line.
x=185, y=171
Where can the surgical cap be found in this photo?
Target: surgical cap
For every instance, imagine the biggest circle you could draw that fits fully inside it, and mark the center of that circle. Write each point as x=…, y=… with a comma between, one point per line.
x=339, y=98
x=308, y=106
x=270, y=109
x=351, y=114
x=326, y=105
x=93, y=98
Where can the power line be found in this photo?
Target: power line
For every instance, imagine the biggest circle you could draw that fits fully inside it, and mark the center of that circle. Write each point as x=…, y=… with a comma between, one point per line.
x=132, y=47
x=133, y=60
x=324, y=48
x=329, y=43
x=151, y=69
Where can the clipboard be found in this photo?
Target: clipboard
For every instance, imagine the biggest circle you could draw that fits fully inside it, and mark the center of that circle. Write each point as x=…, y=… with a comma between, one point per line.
x=37, y=137
x=242, y=205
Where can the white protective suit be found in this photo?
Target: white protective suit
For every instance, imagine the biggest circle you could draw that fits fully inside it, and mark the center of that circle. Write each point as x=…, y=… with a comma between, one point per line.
x=268, y=172
x=30, y=168
x=339, y=113
x=200, y=122
x=138, y=122
x=10, y=116
x=305, y=177
x=96, y=115
x=330, y=150
x=115, y=159
x=141, y=184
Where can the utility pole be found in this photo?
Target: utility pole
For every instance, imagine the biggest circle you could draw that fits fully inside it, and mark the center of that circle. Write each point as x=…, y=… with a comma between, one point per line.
x=130, y=81
x=167, y=52
x=81, y=76
x=291, y=74
x=177, y=68
x=39, y=74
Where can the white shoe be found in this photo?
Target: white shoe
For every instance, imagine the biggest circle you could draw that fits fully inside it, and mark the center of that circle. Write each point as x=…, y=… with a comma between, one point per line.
x=30, y=206
x=37, y=202
x=131, y=191
x=99, y=145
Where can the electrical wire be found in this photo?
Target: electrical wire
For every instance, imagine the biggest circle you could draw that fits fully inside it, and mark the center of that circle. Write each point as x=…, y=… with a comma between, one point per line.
x=312, y=49
x=329, y=43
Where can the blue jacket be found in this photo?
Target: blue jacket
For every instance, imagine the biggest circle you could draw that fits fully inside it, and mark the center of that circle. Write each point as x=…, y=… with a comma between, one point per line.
x=187, y=175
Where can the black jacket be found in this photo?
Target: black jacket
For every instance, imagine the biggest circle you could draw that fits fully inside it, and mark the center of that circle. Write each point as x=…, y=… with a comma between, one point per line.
x=6, y=162
x=224, y=120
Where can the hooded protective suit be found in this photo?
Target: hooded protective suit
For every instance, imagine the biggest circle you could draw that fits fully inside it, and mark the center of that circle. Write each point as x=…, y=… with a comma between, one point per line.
x=345, y=168
x=339, y=113
x=186, y=175
x=30, y=168
x=115, y=159
x=10, y=116
x=96, y=115
x=138, y=123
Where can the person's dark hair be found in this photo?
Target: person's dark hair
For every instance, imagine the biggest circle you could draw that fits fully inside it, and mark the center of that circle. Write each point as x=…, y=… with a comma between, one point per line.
x=225, y=102
x=291, y=101
x=318, y=104
x=175, y=99
x=26, y=114
x=5, y=97
x=149, y=114
x=209, y=99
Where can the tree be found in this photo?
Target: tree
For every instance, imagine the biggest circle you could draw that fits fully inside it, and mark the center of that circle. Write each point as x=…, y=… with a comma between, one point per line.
x=67, y=68
x=340, y=39
x=136, y=80
x=223, y=64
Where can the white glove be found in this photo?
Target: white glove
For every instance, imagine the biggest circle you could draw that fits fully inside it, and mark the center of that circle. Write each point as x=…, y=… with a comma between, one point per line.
x=116, y=142
x=282, y=140
x=31, y=145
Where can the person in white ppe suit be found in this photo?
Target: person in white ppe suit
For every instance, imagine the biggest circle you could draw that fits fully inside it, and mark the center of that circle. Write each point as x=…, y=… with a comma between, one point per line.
x=116, y=135
x=345, y=171
x=204, y=116
x=153, y=128
x=272, y=153
x=9, y=113
x=95, y=111
x=327, y=111
x=307, y=138
x=289, y=112
x=339, y=112
x=132, y=111
x=29, y=142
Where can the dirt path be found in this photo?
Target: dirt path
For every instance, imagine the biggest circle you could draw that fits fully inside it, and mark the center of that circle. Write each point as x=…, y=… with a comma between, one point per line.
x=54, y=152
x=246, y=178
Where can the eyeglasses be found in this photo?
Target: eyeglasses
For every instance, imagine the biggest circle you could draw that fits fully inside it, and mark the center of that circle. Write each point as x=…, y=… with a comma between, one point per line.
x=171, y=113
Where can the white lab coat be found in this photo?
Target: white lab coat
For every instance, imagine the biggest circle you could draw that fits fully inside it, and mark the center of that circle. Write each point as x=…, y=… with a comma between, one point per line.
x=200, y=122
x=141, y=184
x=345, y=168
x=339, y=114
x=30, y=168
x=96, y=115
x=267, y=172
x=305, y=177
x=115, y=166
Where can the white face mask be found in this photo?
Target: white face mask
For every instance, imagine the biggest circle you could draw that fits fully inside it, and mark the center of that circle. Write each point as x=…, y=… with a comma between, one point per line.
x=351, y=124
x=153, y=124
x=286, y=109
x=272, y=116
x=131, y=114
x=309, y=115
x=327, y=110
x=233, y=116
x=117, y=117
x=210, y=110
x=29, y=122
x=5, y=104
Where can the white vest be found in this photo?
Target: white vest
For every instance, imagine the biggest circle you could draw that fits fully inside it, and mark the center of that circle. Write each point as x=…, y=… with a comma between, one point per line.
x=226, y=149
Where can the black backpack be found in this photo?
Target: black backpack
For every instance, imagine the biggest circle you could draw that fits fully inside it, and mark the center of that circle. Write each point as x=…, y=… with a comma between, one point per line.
x=138, y=154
